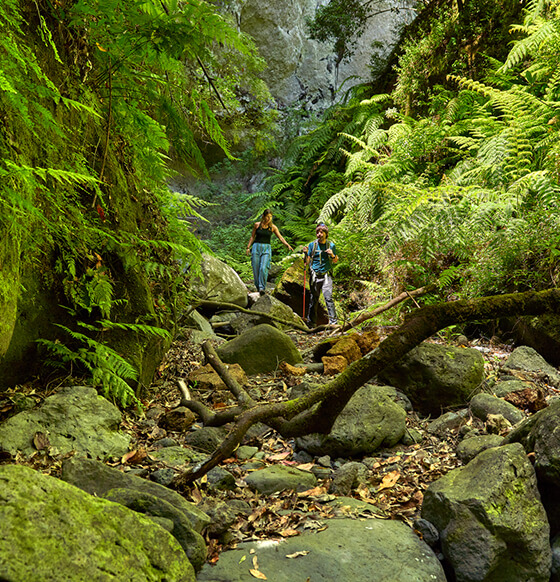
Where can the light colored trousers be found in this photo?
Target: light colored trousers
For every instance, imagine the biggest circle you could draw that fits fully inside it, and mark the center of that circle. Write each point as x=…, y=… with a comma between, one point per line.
x=261, y=254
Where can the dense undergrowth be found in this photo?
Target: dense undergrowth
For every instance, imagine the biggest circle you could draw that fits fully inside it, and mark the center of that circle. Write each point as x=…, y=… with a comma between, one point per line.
x=452, y=177
x=96, y=96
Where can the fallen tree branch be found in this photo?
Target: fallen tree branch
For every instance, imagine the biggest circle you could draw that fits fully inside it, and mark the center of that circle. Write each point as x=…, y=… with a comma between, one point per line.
x=395, y=301
x=300, y=416
x=221, y=369
x=234, y=307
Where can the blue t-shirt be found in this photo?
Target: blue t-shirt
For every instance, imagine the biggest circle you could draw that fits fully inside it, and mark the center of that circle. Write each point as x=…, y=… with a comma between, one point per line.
x=321, y=262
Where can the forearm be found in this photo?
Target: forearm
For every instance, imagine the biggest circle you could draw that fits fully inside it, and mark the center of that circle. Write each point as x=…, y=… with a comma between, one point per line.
x=281, y=238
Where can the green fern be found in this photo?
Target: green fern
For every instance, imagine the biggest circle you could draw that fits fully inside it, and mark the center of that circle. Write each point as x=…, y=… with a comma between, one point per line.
x=108, y=370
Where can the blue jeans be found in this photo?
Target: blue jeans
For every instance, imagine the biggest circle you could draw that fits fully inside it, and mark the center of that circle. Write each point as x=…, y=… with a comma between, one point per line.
x=260, y=261
x=321, y=282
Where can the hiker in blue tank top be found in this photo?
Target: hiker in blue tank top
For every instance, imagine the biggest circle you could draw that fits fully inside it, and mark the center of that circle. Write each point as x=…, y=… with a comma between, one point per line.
x=260, y=249
x=321, y=256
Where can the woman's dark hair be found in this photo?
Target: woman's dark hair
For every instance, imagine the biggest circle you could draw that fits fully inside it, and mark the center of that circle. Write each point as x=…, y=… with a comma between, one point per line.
x=264, y=215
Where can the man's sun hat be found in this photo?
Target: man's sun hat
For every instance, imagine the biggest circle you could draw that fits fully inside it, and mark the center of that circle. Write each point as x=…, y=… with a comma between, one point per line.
x=322, y=226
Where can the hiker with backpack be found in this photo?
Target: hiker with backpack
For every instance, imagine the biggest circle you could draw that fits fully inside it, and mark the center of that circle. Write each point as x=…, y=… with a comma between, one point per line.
x=260, y=249
x=321, y=256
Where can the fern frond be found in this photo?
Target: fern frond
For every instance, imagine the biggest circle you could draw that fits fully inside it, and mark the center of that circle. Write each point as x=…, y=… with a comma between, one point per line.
x=523, y=48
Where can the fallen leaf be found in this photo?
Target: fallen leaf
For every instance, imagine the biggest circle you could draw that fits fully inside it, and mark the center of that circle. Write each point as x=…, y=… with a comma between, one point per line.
x=298, y=554
x=134, y=457
x=279, y=456
x=314, y=492
x=305, y=466
x=258, y=574
x=289, y=533
x=255, y=562
x=243, y=558
x=389, y=480
x=41, y=441
x=196, y=495
x=418, y=497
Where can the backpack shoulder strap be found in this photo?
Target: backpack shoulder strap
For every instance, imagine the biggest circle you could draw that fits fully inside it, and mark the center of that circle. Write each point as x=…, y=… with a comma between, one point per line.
x=315, y=245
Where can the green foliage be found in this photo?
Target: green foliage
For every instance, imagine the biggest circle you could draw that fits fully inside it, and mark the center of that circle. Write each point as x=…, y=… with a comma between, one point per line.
x=459, y=183
x=95, y=97
x=107, y=369
x=445, y=40
x=102, y=365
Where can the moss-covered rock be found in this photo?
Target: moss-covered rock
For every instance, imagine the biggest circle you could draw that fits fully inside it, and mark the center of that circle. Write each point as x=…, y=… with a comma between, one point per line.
x=540, y=434
x=492, y=524
x=482, y=405
x=470, y=447
x=277, y=478
x=269, y=305
x=369, y=421
x=219, y=282
x=435, y=377
x=260, y=350
x=347, y=550
x=147, y=504
x=75, y=419
x=53, y=531
x=96, y=478
x=526, y=359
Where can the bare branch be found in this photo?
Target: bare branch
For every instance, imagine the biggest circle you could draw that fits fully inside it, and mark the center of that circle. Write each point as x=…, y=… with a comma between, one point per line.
x=395, y=301
x=221, y=369
x=234, y=307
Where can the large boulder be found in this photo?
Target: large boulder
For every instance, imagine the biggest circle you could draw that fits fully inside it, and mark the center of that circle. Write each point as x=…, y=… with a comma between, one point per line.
x=540, y=435
x=492, y=524
x=260, y=350
x=526, y=359
x=52, y=531
x=219, y=283
x=369, y=421
x=98, y=479
x=74, y=419
x=360, y=550
x=154, y=507
x=436, y=377
x=269, y=305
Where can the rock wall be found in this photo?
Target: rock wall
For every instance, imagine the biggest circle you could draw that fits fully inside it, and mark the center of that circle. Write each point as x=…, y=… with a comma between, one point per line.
x=303, y=71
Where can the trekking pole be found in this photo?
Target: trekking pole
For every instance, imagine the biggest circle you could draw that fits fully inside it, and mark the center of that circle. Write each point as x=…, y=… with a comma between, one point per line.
x=304, y=273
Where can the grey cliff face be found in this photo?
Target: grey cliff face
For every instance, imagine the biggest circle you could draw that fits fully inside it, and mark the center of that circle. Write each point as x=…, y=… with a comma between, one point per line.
x=303, y=71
